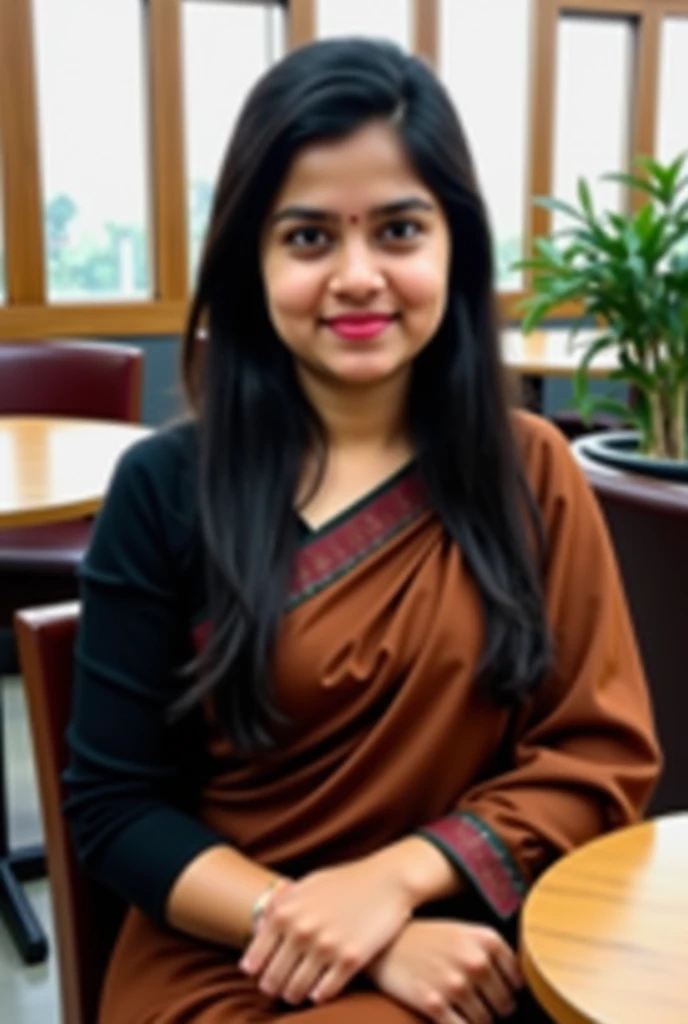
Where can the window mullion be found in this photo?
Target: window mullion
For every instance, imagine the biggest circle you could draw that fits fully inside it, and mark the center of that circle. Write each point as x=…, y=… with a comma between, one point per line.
x=166, y=127
x=19, y=151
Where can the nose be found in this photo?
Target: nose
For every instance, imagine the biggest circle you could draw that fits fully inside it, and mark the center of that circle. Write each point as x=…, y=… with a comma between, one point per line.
x=357, y=275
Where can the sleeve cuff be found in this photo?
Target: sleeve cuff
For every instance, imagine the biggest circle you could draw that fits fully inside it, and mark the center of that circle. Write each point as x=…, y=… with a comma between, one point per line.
x=482, y=857
x=144, y=861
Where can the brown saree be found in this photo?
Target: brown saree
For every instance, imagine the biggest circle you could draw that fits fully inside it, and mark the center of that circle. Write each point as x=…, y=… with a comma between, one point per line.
x=375, y=664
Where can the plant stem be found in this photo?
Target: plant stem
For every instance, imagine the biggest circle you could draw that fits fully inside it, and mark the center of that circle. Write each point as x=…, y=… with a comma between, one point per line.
x=678, y=424
x=657, y=446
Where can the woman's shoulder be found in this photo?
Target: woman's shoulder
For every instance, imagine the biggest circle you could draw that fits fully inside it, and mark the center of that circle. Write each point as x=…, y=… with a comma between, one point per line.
x=165, y=452
x=153, y=488
x=548, y=462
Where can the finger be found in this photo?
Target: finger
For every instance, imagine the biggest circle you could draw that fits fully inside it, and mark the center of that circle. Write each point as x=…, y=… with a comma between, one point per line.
x=505, y=959
x=510, y=969
x=304, y=979
x=450, y=1016
x=335, y=979
x=497, y=993
x=261, y=949
x=278, y=973
x=469, y=1003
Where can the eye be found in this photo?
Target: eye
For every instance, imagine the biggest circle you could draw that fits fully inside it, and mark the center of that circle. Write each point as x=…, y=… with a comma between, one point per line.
x=401, y=231
x=307, y=238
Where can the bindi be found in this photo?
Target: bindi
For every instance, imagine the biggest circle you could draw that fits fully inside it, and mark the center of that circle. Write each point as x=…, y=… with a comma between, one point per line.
x=354, y=219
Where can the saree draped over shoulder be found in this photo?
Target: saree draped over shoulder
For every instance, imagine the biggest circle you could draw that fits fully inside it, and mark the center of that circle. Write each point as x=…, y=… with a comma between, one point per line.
x=375, y=666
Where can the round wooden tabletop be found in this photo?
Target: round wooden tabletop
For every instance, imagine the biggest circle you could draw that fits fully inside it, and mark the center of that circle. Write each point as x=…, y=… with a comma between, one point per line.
x=605, y=930
x=53, y=469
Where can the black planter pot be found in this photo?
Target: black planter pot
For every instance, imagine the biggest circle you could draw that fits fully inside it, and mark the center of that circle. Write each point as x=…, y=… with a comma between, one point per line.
x=619, y=449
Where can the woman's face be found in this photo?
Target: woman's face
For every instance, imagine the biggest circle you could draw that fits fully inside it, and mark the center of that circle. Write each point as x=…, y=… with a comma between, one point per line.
x=355, y=259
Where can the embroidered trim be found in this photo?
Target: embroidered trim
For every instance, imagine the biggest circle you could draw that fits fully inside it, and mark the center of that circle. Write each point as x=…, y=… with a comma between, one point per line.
x=329, y=557
x=479, y=853
x=348, y=541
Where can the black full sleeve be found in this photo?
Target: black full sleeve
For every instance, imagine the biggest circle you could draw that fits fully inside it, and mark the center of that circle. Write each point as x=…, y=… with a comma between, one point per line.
x=133, y=634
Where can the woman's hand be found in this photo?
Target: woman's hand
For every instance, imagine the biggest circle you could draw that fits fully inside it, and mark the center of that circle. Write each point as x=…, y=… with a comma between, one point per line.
x=450, y=972
x=316, y=934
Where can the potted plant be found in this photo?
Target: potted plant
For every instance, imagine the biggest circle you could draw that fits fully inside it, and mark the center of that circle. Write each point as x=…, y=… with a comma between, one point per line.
x=630, y=274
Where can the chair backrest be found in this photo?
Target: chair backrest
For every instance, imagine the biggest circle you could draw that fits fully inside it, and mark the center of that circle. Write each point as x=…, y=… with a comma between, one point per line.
x=648, y=523
x=86, y=916
x=651, y=543
x=93, y=380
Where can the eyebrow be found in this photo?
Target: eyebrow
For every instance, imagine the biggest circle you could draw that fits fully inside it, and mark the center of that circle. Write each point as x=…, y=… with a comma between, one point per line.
x=314, y=215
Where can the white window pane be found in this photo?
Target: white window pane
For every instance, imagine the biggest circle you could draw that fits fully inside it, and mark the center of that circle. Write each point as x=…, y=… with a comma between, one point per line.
x=486, y=71
x=91, y=98
x=672, y=133
x=593, y=108
x=227, y=47
x=381, y=19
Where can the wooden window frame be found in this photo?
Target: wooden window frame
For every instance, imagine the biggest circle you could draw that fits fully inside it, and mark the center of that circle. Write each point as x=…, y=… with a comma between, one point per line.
x=27, y=312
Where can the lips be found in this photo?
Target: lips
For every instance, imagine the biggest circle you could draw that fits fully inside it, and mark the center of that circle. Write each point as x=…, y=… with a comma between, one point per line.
x=360, y=328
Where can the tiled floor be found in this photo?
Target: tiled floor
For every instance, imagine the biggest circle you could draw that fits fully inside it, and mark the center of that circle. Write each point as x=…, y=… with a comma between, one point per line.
x=28, y=995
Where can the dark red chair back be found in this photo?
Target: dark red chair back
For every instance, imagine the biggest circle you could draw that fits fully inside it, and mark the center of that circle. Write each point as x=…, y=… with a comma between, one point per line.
x=86, y=916
x=96, y=380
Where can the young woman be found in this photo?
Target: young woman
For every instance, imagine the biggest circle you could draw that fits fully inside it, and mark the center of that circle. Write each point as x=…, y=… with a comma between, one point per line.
x=354, y=662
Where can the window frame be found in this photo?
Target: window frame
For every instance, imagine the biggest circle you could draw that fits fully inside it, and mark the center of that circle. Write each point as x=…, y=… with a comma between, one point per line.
x=27, y=313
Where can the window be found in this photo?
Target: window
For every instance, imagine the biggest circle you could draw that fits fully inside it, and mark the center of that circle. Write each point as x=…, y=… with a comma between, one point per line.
x=93, y=137
x=593, y=108
x=672, y=122
x=484, y=61
x=227, y=47
x=382, y=19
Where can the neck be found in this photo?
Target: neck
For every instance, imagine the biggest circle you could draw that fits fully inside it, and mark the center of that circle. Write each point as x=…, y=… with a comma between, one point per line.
x=370, y=417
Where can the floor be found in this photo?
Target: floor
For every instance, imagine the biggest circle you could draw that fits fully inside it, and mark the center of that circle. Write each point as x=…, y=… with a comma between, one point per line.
x=28, y=995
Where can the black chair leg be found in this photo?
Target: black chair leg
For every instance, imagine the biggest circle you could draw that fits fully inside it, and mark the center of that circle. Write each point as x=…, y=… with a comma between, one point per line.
x=15, y=867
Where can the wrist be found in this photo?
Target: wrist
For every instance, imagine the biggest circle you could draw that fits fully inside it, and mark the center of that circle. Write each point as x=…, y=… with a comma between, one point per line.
x=423, y=873
x=264, y=899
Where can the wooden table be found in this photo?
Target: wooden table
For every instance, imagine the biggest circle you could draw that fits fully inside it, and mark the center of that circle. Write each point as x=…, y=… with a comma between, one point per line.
x=552, y=353
x=605, y=930
x=54, y=469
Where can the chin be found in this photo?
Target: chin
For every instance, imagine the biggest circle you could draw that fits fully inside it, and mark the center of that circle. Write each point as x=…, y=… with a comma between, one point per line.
x=366, y=371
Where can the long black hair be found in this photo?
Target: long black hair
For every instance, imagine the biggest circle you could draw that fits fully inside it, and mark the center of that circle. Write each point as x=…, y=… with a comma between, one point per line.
x=256, y=425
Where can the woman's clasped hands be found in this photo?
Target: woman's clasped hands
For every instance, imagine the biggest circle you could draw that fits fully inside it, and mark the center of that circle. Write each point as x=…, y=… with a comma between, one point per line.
x=315, y=935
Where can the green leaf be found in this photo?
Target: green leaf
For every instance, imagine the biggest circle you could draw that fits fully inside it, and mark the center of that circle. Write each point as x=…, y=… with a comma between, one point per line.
x=609, y=404
x=635, y=182
x=585, y=198
x=550, y=251
x=537, y=312
x=558, y=206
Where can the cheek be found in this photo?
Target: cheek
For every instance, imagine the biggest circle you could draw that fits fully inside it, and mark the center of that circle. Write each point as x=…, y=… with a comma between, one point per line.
x=293, y=289
x=422, y=285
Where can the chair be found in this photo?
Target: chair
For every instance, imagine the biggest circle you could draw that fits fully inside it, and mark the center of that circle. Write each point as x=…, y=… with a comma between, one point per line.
x=86, y=915
x=92, y=380
x=95, y=380
x=648, y=523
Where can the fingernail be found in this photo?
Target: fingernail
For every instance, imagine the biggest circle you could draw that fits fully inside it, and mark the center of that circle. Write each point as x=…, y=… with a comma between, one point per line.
x=245, y=965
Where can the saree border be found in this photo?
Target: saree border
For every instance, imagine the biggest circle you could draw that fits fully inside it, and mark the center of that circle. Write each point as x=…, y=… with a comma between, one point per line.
x=479, y=853
x=336, y=549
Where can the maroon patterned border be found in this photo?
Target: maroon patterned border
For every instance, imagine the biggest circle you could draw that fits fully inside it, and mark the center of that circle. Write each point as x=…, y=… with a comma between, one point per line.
x=330, y=555
x=339, y=548
x=479, y=853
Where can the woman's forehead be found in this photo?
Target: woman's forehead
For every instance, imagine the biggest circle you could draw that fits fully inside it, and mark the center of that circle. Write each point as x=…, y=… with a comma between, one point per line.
x=352, y=174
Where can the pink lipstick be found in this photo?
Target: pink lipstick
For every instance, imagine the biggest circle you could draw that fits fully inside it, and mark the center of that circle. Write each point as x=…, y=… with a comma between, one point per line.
x=360, y=328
